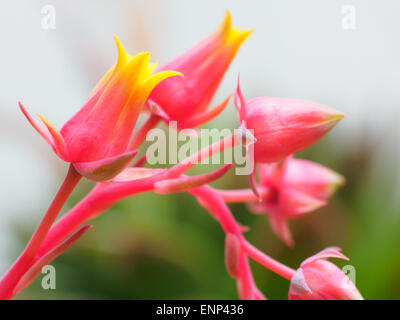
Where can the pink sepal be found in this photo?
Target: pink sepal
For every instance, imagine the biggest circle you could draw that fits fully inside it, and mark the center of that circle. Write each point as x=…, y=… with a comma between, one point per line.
x=157, y=110
x=240, y=102
x=207, y=115
x=49, y=133
x=299, y=284
x=279, y=224
x=104, y=169
x=330, y=252
x=296, y=203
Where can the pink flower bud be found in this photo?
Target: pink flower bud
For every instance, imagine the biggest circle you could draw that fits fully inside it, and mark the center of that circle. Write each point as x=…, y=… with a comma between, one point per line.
x=284, y=126
x=185, y=100
x=296, y=187
x=319, y=279
x=95, y=140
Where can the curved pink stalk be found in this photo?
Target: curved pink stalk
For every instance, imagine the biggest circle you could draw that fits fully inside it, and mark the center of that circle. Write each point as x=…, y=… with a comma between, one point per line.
x=268, y=262
x=24, y=261
x=104, y=195
x=215, y=204
x=246, y=286
x=219, y=208
x=36, y=268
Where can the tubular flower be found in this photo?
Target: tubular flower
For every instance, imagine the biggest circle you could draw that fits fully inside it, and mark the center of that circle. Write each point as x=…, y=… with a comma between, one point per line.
x=319, y=279
x=185, y=100
x=283, y=126
x=95, y=140
x=296, y=187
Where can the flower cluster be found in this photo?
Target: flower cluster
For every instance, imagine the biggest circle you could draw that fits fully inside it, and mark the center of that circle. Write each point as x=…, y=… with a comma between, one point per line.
x=100, y=144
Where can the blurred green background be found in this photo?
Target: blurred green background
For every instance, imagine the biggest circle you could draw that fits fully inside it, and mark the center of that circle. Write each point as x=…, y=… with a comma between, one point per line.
x=168, y=247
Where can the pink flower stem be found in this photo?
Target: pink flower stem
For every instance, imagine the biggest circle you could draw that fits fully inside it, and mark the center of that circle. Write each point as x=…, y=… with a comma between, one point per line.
x=140, y=135
x=101, y=198
x=214, y=203
x=220, y=210
x=247, y=288
x=104, y=195
x=24, y=261
x=243, y=195
x=271, y=264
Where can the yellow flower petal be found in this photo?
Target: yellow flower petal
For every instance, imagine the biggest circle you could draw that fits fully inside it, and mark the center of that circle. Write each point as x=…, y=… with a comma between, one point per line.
x=232, y=35
x=121, y=62
x=155, y=79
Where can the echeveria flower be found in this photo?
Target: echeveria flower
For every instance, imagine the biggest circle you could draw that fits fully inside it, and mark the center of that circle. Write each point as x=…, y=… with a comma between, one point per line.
x=95, y=140
x=319, y=279
x=295, y=187
x=185, y=100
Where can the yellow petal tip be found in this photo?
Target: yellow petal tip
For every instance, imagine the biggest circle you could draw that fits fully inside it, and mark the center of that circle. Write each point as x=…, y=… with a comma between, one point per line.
x=233, y=34
x=227, y=23
x=175, y=73
x=142, y=55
